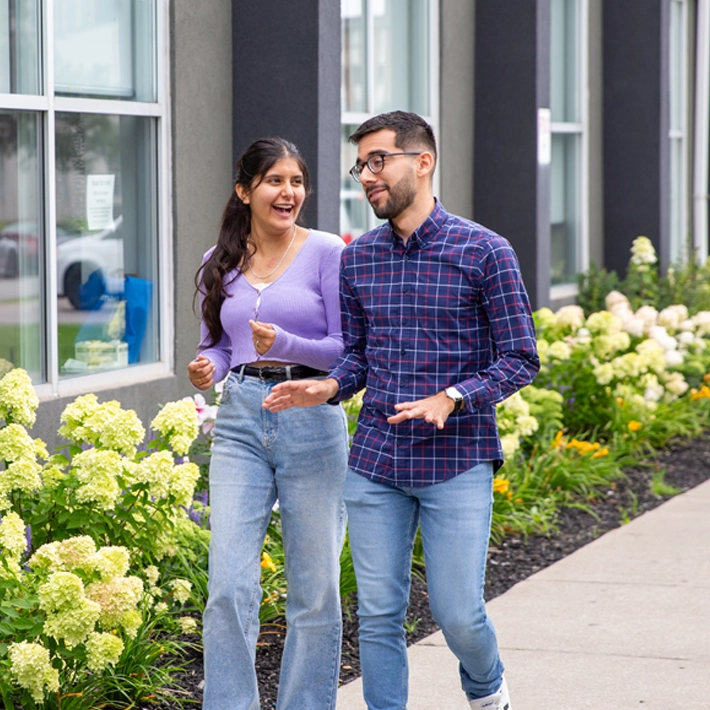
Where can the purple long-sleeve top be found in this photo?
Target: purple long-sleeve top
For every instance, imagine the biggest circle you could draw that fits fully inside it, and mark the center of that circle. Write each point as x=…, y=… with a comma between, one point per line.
x=302, y=305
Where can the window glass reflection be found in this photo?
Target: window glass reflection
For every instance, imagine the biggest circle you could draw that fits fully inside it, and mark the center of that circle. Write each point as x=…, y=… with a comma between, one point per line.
x=564, y=208
x=354, y=56
x=106, y=257
x=19, y=47
x=401, y=55
x=104, y=48
x=21, y=238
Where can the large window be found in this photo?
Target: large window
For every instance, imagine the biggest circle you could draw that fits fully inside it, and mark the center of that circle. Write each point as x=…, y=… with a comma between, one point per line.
x=389, y=60
x=82, y=190
x=568, y=138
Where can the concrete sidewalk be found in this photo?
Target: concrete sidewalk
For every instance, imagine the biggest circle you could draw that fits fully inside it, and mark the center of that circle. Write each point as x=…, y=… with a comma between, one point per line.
x=622, y=623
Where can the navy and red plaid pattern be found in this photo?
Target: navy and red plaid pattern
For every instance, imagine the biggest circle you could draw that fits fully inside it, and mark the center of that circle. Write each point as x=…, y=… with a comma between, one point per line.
x=447, y=308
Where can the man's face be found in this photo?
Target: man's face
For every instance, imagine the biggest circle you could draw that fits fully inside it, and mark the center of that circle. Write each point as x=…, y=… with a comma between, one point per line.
x=393, y=190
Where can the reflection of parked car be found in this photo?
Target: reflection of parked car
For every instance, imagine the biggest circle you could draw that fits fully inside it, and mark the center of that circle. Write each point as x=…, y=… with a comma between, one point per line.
x=90, y=265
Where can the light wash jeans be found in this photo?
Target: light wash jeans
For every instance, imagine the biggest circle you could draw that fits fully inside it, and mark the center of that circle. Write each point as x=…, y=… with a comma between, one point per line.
x=300, y=457
x=455, y=520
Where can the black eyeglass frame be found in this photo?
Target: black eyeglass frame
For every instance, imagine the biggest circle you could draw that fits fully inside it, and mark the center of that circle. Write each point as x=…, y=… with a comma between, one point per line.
x=357, y=169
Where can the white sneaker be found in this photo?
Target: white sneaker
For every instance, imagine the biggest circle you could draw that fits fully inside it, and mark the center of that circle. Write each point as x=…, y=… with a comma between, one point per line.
x=497, y=701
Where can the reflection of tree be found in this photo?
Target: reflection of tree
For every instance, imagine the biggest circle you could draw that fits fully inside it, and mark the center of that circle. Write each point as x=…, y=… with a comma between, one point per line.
x=85, y=143
x=8, y=134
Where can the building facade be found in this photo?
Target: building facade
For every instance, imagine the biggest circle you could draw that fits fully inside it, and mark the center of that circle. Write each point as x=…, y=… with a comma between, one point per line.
x=568, y=126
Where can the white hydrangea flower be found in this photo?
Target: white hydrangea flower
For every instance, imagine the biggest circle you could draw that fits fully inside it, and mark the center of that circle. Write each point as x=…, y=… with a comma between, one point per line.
x=510, y=443
x=570, y=317
x=603, y=373
x=643, y=252
x=675, y=384
x=615, y=299
x=649, y=316
x=152, y=573
x=65, y=555
x=661, y=336
x=603, y=322
x=545, y=318
x=672, y=317
x=115, y=597
x=652, y=355
x=111, y=561
x=188, y=625
x=181, y=589
x=156, y=470
x=701, y=321
x=183, y=480
x=16, y=443
x=674, y=358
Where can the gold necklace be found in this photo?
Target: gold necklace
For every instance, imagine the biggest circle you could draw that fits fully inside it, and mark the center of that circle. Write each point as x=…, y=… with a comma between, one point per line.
x=281, y=261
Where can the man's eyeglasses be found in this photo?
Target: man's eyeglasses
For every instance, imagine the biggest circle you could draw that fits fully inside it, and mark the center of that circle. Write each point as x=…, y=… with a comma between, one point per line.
x=376, y=164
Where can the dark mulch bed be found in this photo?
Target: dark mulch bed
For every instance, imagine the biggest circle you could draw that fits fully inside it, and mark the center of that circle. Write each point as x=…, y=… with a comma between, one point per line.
x=687, y=464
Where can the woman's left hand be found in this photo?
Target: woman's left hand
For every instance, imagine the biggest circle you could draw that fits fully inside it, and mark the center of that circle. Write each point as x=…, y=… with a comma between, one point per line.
x=262, y=335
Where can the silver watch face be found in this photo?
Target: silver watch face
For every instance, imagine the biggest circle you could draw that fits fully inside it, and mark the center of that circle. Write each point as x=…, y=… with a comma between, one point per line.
x=453, y=393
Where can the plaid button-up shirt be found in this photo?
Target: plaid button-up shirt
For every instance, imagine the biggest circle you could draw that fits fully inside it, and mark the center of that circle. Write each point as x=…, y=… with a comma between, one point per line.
x=448, y=308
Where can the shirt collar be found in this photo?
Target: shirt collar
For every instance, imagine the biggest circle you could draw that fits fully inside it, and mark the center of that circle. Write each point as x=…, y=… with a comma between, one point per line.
x=427, y=230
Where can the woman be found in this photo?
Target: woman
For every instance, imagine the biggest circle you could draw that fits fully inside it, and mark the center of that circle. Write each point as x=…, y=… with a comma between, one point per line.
x=270, y=312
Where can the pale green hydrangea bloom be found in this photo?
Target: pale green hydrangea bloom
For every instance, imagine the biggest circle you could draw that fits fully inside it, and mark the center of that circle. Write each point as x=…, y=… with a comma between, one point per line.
x=178, y=423
x=543, y=348
x=559, y=350
x=603, y=373
x=628, y=365
x=12, y=534
x=52, y=476
x=102, y=650
x=73, y=418
x=510, y=443
x=111, y=561
x=115, y=597
x=96, y=471
x=643, y=252
x=115, y=428
x=181, y=589
x=152, y=574
x=16, y=443
x=156, y=470
x=545, y=318
x=675, y=384
x=603, y=322
x=18, y=399
x=131, y=621
x=22, y=475
x=606, y=344
x=188, y=625
x=652, y=355
x=183, y=479
x=32, y=670
x=65, y=555
x=70, y=615
x=161, y=608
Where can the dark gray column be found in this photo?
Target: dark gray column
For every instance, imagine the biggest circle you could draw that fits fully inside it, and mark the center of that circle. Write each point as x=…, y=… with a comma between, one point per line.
x=286, y=78
x=636, y=123
x=511, y=190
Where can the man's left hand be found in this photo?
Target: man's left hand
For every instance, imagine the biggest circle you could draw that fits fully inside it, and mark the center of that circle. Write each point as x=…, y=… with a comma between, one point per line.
x=434, y=409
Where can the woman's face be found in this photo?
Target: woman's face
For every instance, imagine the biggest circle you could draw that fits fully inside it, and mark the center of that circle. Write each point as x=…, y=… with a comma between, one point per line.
x=277, y=199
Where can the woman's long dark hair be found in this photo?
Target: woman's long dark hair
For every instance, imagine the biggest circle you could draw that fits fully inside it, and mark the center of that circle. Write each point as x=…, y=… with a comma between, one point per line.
x=233, y=249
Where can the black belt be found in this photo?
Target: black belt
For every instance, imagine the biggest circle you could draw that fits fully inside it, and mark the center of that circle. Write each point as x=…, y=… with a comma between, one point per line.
x=287, y=372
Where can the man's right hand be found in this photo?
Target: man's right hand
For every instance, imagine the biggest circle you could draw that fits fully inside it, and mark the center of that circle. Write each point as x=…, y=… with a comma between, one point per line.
x=300, y=393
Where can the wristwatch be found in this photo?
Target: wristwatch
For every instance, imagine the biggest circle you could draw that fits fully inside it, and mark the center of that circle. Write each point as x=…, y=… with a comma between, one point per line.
x=456, y=396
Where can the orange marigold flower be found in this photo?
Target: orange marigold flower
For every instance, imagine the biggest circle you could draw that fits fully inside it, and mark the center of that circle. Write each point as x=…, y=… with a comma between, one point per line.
x=633, y=425
x=500, y=485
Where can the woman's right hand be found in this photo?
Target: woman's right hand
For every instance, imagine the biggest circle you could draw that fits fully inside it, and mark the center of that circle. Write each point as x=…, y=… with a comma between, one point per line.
x=201, y=372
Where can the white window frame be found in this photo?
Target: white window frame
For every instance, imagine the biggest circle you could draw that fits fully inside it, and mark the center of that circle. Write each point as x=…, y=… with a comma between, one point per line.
x=678, y=136
x=581, y=129
x=48, y=104
x=355, y=118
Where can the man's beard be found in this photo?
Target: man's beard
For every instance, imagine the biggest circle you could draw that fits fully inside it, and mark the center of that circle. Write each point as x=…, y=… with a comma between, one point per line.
x=400, y=197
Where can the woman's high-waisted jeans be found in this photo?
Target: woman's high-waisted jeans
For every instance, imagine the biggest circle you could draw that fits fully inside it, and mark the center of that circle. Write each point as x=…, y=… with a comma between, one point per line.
x=300, y=457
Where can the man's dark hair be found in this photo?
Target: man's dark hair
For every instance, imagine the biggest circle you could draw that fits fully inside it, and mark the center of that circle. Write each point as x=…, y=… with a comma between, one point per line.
x=411, y=130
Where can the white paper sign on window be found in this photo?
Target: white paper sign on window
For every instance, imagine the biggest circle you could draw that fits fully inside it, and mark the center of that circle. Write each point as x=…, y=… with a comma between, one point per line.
x=99, y=201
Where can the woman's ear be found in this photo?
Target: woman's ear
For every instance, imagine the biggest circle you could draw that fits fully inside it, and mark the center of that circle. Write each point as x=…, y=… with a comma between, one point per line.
x=242, y=193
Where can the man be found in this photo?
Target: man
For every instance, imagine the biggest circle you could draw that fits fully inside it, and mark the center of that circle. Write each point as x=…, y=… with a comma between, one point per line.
x=437, y=328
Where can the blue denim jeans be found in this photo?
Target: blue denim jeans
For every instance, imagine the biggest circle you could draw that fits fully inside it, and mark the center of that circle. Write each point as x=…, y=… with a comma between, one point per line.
x=455, y=519
x=300, y=457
